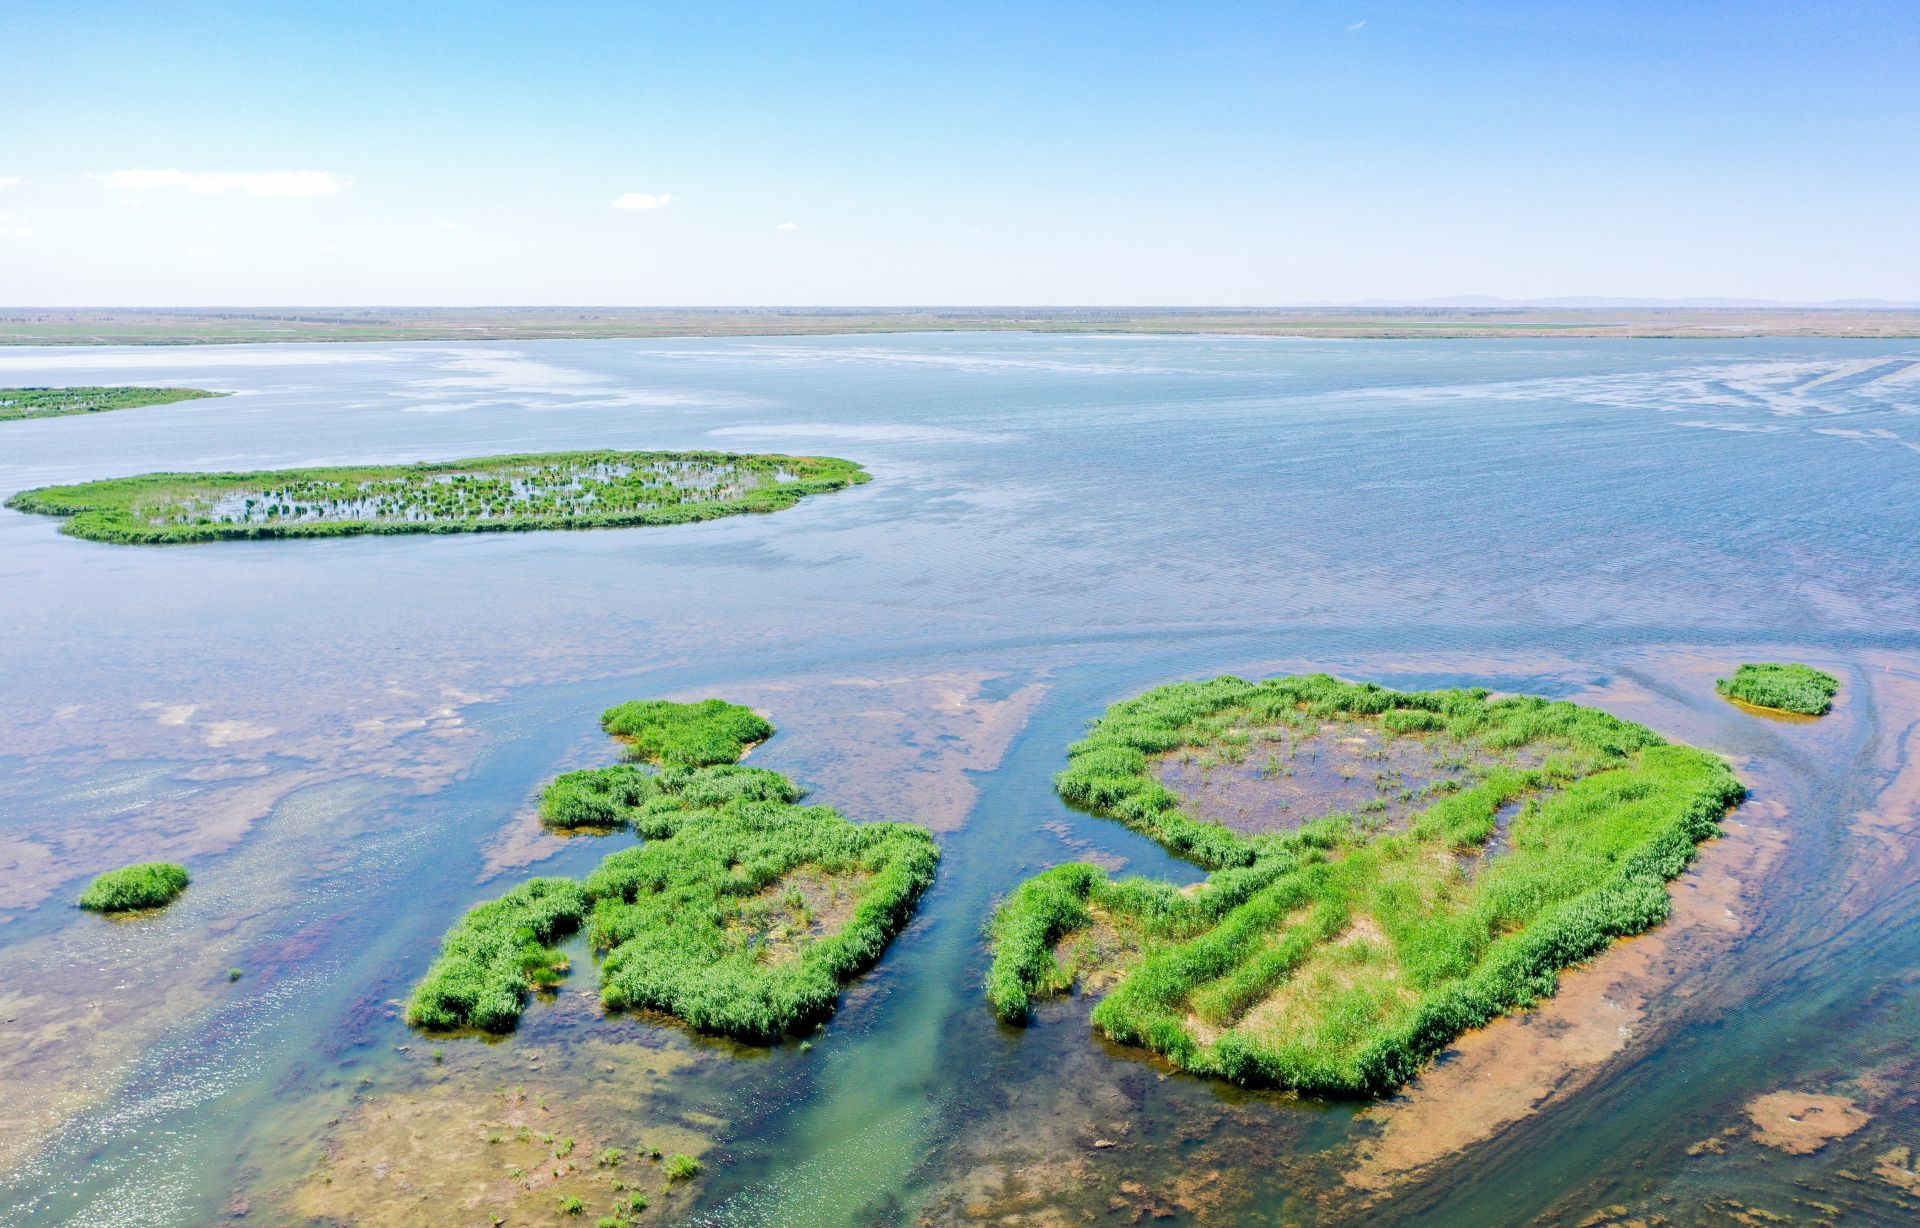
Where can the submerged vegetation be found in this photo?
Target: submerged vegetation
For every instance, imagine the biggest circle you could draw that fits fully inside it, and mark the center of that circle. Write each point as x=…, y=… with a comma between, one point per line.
x=553, y=490
x=1783, y=687
x=1339, y=954
x=146, y=885
x=744, y=913
x=88, y=399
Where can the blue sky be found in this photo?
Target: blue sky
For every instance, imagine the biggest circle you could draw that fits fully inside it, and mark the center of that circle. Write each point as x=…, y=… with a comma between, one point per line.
x=967, y=153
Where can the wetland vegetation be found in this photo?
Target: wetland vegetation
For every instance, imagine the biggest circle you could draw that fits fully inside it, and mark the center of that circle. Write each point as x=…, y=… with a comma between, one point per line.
x=149, y=884
x=1782, y=687
x=1500, y=841
x=743, y=913
x=553, y=490
x=89, y=399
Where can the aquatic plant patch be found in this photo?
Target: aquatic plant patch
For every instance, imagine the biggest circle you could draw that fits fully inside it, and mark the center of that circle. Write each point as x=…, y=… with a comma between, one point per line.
x=18, y=403
x=553, y=490
x=1783, y=687
x=1340, y=952
x=686, y=735
x=149, y=884
x=744, y=913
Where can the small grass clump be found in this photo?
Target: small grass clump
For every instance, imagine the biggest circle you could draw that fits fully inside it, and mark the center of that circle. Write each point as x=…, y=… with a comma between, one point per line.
x=57, y=402
x=552, y=490
x=1782, y=687
x=743, y=914
x=686, y=735
x=682, y=1168
x=1340, y=955
x=150, y=884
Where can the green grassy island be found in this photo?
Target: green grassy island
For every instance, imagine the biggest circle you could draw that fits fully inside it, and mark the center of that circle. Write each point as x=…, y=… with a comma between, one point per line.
x=1782, y=688
x=1389, y=869
x=58, y=402
x=552, y=490
x=743, y=914
x=147, y=885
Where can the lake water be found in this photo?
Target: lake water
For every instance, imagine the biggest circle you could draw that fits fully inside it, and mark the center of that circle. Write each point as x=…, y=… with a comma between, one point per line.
x=343, y=738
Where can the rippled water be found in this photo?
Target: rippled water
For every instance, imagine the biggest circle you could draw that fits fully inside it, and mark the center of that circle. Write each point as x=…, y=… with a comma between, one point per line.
x=343, y=738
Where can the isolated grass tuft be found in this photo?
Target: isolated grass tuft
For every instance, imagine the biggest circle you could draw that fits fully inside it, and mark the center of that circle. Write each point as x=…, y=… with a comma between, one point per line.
x=686, y=735
x=1783, y=687
x=147, y=885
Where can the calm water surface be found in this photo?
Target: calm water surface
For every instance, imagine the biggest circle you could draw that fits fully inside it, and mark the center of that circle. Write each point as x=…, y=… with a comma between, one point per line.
x=343, y=738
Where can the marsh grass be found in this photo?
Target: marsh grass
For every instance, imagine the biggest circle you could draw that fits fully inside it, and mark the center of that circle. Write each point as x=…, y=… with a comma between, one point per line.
x=553, y=490
x=686, y=735
x=724, y=918
x=1783, y=687
x=1339, y=957
x=89, y=399
x=146, y=885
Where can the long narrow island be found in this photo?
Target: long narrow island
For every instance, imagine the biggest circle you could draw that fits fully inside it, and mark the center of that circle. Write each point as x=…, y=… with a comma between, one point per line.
x=548, y=490
x=18, y=403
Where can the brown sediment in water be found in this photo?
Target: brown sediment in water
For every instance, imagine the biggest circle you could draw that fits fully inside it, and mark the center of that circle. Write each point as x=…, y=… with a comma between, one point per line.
x=461, y=1148
x=1895, y=1166
x=1782, y=715
x=81, y=1002
x=242, y=766
x=1520, y=1064
x=1284, y=778
x=1495, y=1076
x=1801, y=1123
x=1893, y=819
x=1099, y=1141
x=898, y=749
x=1084, y=850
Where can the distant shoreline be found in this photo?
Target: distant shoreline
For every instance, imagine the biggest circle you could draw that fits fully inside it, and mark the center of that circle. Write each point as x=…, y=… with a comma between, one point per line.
x=242, y=326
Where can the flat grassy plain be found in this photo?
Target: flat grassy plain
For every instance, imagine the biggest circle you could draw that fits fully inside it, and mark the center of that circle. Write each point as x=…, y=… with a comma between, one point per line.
x=552, y=490
x=1782, y=687
x=18, y=403
x=743, y=914
x=234, y=326
x=1339, y=955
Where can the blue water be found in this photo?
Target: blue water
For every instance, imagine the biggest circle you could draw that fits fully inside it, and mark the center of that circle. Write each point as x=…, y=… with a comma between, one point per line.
x=1089, y=515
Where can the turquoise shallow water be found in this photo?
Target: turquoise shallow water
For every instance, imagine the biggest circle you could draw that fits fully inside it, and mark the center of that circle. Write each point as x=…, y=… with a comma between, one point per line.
x=341, y=736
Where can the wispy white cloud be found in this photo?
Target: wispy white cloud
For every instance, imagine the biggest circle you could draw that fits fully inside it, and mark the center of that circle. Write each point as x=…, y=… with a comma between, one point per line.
x=214, y=183
x=448, y=225
x=642, y=200
x=788, y=226
x=9, y=181
x=1358, y=25
x=15, y=226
